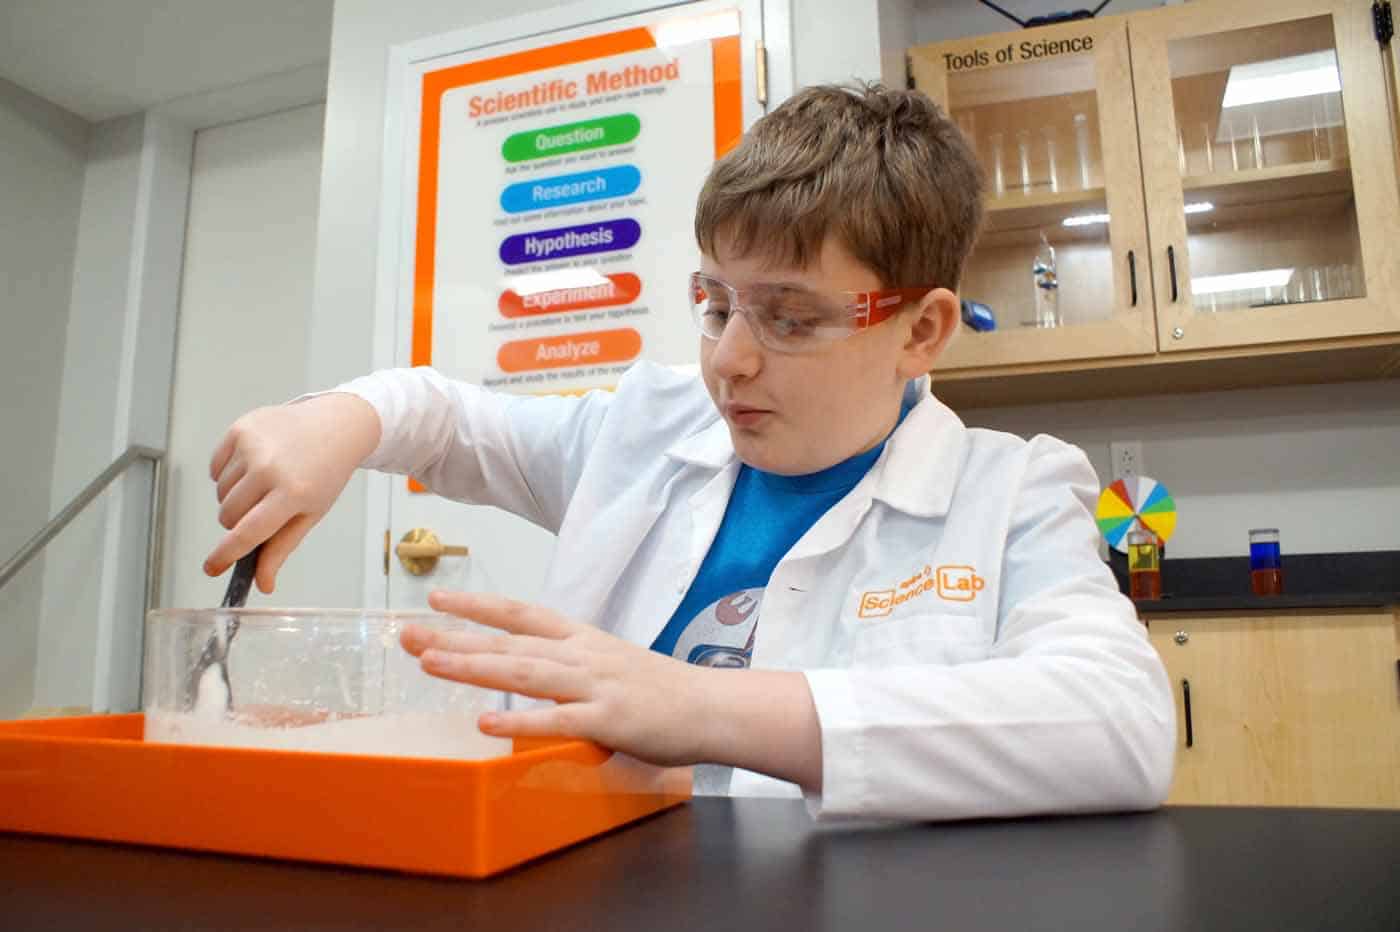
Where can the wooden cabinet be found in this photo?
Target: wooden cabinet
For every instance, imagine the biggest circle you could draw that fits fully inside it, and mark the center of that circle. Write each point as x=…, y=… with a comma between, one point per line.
x=1217, y=182
x=1056, y=140
x=1286, y=710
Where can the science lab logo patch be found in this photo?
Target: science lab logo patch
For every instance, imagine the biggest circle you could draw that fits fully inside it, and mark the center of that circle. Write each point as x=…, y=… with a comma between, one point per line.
x=959, y=583
x=953, y=583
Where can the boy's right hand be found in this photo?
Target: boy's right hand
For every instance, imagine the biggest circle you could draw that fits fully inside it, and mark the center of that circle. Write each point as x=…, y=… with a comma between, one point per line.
x=279, y=470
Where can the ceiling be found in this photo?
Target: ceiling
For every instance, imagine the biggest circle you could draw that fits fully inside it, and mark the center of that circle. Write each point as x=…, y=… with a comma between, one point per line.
x=106, y=58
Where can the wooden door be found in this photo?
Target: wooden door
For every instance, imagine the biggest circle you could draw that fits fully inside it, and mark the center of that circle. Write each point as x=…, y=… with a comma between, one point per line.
x=1269, y=172
x=1288, y=710
x=1050, y=115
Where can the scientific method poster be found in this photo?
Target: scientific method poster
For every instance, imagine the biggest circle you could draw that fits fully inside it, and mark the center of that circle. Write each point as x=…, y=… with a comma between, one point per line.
x=555, y=193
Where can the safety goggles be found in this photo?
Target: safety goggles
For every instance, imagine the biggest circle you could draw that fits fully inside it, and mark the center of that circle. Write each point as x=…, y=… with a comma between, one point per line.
x=793, y=320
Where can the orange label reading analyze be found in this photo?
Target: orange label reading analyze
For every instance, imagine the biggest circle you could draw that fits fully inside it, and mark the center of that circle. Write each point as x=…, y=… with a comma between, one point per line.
x=579, y=349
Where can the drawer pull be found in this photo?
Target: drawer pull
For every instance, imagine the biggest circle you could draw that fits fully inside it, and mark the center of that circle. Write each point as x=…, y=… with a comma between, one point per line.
x=1171, y=266
x=1186, y=702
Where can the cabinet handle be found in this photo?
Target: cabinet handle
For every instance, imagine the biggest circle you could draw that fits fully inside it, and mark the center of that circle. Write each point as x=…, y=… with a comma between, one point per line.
x=1186, y=701
x=1171, y=267
x=1132, y=276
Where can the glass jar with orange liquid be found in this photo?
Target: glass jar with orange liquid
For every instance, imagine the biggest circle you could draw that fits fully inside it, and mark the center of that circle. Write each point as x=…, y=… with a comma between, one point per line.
x=1144, y=564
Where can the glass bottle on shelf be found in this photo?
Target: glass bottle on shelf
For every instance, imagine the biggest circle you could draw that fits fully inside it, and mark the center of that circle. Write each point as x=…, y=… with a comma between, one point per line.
x=1265, y=565
x=968, y=124
x=1023, y=154
x=1336, y=125
x=1234, y=147
x=1052, y=166
x=1046, y=310
x=998, y=175
x=1321, y=150
x=1144, y=565
x=1081, y=149
x=1257, y=142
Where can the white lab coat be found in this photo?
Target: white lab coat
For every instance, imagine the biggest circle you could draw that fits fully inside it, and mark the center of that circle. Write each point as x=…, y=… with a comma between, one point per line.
x=968, y=652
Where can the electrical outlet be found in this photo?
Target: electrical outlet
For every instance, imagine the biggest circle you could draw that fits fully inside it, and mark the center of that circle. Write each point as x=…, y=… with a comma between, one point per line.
x=1126, y=457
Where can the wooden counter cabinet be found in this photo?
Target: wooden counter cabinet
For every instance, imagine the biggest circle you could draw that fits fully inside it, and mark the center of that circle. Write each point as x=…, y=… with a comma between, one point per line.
x=1293, y=709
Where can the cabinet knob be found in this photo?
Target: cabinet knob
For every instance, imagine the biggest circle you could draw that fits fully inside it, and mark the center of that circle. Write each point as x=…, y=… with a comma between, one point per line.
x=1181, y=637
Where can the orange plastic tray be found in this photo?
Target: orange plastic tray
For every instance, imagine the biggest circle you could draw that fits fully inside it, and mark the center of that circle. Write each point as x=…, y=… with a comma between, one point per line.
x=94, y=777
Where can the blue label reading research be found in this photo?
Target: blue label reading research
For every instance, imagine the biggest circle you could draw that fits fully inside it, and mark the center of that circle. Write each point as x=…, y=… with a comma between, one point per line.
x=604, y=183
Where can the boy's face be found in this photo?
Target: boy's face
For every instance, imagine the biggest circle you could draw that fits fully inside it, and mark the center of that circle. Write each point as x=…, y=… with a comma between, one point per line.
x=797, y=413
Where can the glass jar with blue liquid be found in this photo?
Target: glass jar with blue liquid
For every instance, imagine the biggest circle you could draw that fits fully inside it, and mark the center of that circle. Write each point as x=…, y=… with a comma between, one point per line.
x=1265, y=561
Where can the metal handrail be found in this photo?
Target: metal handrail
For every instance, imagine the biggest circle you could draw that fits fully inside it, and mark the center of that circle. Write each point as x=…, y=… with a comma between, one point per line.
x=81, y=501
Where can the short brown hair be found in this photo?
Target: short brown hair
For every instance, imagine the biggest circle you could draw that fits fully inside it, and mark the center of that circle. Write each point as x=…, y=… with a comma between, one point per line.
x=884, y=170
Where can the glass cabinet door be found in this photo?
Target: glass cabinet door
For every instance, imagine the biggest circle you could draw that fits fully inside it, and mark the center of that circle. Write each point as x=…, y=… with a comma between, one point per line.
x=1062, y=260
x=1265, y=150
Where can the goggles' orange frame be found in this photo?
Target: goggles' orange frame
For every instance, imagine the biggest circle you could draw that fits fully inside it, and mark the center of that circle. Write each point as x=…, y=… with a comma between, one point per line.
x=869, y=307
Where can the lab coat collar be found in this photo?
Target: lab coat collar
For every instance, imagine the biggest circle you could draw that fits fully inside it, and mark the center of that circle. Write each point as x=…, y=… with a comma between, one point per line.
x=710, y=446
x=919, y=469
x=916, y=473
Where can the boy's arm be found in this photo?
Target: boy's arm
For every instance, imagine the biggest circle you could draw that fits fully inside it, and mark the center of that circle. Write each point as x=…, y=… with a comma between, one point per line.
x=520, y=453
x=279, y=469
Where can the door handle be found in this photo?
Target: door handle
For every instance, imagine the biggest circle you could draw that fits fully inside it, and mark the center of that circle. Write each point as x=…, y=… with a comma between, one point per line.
x=420, y=550
x=1171, y=267
x=1186, y=702
x=1132, y=276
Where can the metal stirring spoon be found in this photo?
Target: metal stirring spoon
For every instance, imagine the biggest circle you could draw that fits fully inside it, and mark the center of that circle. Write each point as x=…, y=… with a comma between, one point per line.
x=216, y=648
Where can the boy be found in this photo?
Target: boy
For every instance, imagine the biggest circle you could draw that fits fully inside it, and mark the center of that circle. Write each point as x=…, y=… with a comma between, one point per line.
x=918, y=616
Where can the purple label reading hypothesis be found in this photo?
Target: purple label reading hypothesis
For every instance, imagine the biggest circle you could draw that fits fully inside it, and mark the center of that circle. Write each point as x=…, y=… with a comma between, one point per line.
x=544, y=245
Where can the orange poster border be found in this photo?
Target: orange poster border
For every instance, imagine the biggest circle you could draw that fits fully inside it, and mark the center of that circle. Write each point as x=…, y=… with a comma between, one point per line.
x=728, y=128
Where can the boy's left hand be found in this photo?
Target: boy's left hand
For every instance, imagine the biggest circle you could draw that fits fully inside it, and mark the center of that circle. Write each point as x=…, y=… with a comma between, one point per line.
x=607, y=690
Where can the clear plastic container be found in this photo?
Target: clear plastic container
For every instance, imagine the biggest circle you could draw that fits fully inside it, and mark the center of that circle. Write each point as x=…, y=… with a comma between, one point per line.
x=310, y=680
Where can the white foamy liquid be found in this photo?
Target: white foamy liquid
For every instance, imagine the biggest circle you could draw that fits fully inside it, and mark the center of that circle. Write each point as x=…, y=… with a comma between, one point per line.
x=409, y=734
x=211, y=700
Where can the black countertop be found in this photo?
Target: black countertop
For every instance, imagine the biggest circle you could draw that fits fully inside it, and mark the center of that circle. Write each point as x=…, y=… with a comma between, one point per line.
x=1254, y=603
x=720, y=864
x=1311, y=581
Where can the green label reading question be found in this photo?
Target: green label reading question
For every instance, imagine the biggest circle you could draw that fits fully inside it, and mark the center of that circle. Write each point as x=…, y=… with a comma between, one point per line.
x=571, y=137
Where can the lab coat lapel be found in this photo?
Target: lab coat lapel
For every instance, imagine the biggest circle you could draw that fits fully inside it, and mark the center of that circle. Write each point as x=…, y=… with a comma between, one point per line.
x=916, y=473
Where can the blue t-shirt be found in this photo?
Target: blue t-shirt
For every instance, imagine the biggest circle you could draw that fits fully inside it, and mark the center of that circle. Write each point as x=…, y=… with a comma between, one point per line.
x=767, y=514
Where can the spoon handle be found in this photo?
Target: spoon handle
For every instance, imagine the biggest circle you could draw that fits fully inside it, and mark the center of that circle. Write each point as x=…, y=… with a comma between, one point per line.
x=241, y=580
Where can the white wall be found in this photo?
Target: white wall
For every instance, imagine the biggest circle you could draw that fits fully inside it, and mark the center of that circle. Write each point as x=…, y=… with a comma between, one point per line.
x=834, y=41
x=115, y=391
x=1321, y=463
x=244, y=309
x=42, y=153
x=897, y=21
x=115, y=382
